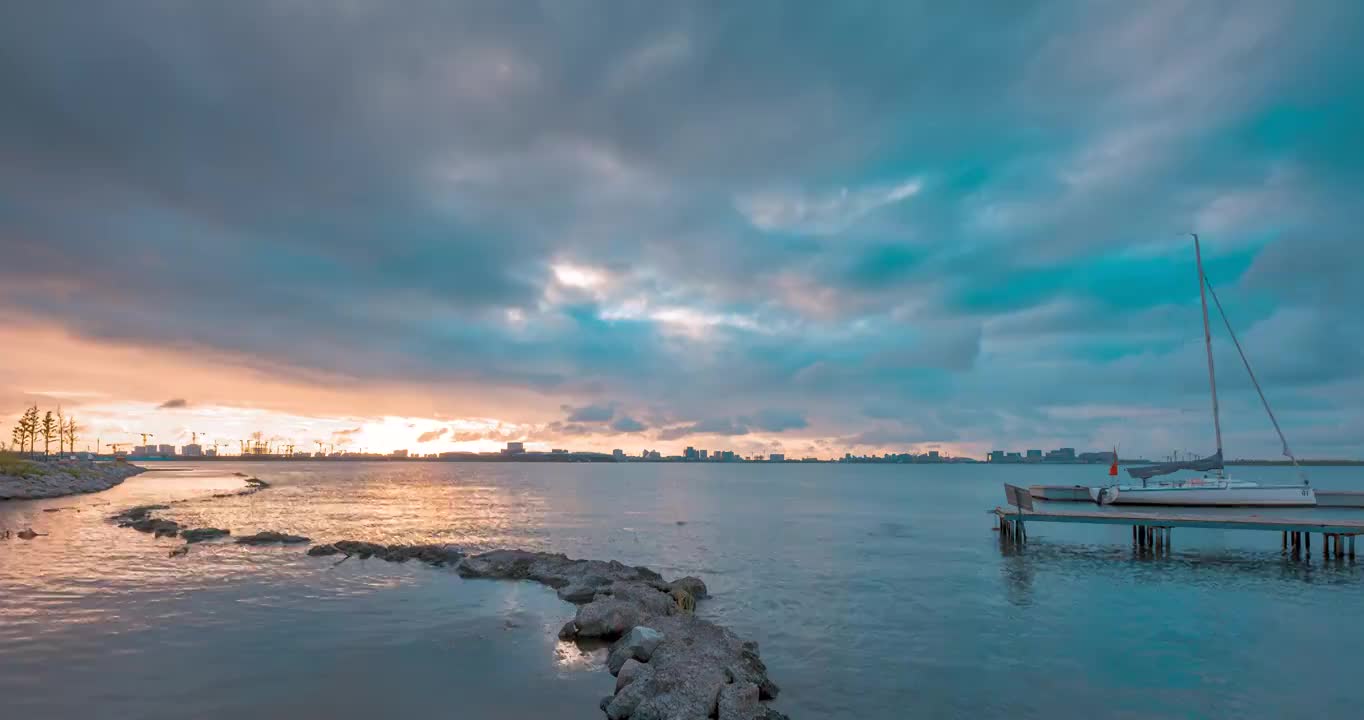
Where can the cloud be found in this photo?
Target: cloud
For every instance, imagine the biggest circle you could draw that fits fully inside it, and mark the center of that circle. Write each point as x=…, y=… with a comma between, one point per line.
x=590, y=413
x=431, y=435
x=347, y=431
x=827, y=214
x=778, y=420
x=689, y=213
x=627, y=424
x=174, y=403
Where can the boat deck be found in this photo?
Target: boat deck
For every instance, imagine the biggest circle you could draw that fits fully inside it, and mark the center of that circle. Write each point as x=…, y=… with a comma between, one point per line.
x=1080, y=493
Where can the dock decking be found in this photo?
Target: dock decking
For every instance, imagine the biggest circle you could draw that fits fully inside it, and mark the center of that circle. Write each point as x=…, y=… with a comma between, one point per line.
x=1152, y=528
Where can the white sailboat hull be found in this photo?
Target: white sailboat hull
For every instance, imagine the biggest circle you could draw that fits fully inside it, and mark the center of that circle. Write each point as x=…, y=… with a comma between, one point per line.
x=1211, y=494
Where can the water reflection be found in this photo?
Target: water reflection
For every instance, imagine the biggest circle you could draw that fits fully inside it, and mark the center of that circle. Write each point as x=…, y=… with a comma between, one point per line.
x=874, y=591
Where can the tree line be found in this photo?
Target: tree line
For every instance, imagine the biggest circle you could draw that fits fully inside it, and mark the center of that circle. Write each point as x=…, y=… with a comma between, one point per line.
x=34, y=426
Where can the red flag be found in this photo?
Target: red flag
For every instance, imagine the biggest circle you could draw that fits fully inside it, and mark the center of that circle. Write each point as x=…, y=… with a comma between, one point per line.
x=1113, y=469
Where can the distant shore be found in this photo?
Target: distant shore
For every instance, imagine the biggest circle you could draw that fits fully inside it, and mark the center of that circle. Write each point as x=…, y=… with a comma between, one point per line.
x=32, y=479
x=603, y=458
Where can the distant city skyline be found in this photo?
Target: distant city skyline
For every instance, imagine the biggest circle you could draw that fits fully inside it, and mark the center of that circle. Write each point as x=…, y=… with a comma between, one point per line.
x=796, y=229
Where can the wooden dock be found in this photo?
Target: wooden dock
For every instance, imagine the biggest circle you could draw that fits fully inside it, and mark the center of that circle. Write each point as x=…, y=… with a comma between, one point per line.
x=1152, y=528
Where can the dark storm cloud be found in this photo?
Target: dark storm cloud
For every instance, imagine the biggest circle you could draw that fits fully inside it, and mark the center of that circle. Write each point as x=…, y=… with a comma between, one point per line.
x=590, y=413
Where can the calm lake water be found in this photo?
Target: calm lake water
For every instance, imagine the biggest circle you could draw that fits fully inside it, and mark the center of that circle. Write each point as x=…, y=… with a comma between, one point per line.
x=875, y=591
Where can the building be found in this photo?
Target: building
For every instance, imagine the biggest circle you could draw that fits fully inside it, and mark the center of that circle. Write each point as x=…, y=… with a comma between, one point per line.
x=1061, y=455
x=399, y=454
x=690, y=454
x=618, y=454
x=211, y=452
x=1034, y=456
x=653, y=455
x=1013, y=457
x=996, y=456
x=192, y=450
x=514, y=448
x=727, y=456
x=163, y=450
x=933, y=456
x=705, y=454
x=776, y=457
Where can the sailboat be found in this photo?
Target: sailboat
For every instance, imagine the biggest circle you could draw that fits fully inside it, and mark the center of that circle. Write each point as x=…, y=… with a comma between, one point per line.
x=1213, y=488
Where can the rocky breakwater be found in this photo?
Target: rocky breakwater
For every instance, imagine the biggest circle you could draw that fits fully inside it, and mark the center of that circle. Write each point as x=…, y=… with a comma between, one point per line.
x=25, y=479
x=669, y=663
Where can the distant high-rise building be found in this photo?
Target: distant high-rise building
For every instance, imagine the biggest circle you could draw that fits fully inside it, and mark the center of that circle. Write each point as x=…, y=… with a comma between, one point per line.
x=654, y=455
x=558, y=451
x=705, y=454
x=618, y=454
x=165, y=450
x=933, y=455
x=399, y=453
x=192, y=450
x=211, y=452
x=690, y=454
x=1013, y=457
x=776, y=457
x=514, y=448
x=1034, y=456
x=996, y=456
x=727, y=456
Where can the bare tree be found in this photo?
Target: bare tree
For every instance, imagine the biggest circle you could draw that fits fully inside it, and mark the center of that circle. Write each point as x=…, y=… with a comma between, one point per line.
x=70, y=430
x=61, y=431
x=49, y=429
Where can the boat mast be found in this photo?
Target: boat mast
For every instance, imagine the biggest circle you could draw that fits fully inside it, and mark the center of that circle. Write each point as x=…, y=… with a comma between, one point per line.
x=1207, y=341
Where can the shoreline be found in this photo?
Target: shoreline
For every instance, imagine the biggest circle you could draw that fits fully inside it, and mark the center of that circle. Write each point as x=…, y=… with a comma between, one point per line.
x=26, y=479
x=668, y=662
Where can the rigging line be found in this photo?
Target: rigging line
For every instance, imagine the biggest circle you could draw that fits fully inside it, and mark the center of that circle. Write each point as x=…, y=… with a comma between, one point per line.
x=1254, y=381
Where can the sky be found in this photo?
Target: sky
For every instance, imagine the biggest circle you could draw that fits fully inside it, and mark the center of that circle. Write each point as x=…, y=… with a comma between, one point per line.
x=810, y=228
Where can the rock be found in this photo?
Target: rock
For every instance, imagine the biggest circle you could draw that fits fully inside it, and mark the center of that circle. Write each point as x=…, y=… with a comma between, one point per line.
x=323, y=550
x=616, y=659
x=28, y=534
x=640, y=688
x=268, y=537
x=257, y=482
x=568, y=631
x=649, y=597
x=578, y=593
x=739, y=701
x=357, y=548
x=604, y=702
x=627, y=673
x=692, y=585
x=607, y=618
x=134, y=514
x=638, y=644
x=195, y=535
x=176, y=552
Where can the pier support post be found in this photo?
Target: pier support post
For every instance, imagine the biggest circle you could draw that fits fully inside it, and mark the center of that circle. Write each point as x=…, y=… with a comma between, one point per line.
x=1285, y=541
x=1308, y=538
x=1352, y=547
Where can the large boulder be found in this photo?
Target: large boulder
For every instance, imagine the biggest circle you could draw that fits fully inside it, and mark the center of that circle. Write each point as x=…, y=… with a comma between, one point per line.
x=692, y=585
x=631, y=696
x=639, y=644
x=607, y=618
x=627, y=673
x=739, y=701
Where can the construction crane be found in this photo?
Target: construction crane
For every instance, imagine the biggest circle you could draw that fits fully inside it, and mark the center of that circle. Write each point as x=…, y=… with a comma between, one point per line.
x=145, y=436
x=194, y=437
x=319, y=444
x=115, y=447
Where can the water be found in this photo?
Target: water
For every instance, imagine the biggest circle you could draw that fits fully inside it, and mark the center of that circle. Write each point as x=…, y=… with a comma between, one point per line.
x=874, y=591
